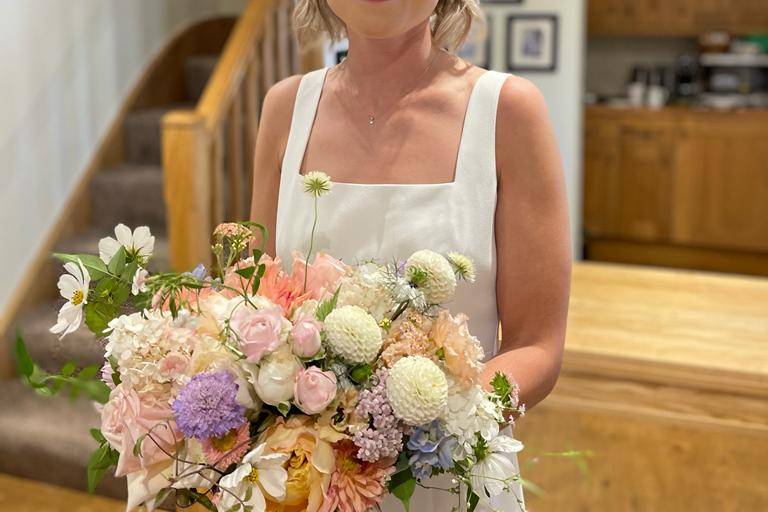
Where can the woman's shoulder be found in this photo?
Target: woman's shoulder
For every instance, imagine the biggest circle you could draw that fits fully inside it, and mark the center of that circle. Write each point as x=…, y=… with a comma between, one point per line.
x=277, y=110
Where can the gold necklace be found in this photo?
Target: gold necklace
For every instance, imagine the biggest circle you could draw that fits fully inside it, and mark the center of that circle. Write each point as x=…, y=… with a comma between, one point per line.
x=372, y=116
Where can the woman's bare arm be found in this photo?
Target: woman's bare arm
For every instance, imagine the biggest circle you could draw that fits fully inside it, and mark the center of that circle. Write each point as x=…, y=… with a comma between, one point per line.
x=532, y=241
x=274, y=126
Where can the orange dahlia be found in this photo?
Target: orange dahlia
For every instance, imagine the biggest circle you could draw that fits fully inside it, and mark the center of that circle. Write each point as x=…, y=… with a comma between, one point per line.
x=356, y=486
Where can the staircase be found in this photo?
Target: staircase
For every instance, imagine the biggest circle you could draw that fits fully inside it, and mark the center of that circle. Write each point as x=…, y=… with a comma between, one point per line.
x=47, y=438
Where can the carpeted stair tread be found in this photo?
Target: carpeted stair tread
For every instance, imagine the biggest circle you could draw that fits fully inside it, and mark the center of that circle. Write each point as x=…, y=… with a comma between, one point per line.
x=142, y=133
x=197, y=71
x=131, y=194
x=47, y=350
x=47, y=438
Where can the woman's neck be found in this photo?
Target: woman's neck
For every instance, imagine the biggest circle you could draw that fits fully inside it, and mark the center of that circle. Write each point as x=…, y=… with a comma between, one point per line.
x=389, y=63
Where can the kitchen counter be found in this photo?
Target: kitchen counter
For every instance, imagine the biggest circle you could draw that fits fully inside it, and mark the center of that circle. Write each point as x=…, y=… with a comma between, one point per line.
x=664, y=382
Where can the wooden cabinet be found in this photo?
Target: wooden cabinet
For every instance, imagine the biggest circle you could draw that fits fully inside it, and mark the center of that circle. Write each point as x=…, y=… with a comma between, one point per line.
x=675, y=17
x=721, y=183
x=691, y=182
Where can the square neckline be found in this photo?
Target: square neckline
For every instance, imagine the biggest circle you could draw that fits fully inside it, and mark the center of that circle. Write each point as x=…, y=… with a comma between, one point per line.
x=345, y=184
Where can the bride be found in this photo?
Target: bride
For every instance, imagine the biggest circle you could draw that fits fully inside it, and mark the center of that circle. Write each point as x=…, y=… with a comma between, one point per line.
x=426, y=151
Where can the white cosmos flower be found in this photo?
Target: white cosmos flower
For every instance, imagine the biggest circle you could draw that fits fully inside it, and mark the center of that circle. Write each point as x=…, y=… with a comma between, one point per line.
x=261, y=472
x=73, y=286
x=139, y=284
x=496, y=472
x=139, y=242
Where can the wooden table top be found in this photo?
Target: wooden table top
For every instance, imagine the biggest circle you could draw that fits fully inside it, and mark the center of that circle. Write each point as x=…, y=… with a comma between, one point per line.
x=22, y=495
x=695, y=329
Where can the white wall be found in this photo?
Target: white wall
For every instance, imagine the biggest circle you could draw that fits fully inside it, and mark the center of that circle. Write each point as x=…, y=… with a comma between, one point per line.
x=68, y=65
x=562, y=88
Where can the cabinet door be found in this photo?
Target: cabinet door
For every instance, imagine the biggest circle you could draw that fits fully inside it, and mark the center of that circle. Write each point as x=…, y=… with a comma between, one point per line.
x=600, y=176
x=644, y=168
x=721, y=184
x=627, y=178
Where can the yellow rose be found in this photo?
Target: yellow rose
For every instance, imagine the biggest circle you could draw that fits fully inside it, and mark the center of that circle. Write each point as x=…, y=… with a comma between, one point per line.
x=310, y=464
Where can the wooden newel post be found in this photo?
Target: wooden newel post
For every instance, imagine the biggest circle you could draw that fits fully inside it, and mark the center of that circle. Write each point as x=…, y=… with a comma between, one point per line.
x=187, y=185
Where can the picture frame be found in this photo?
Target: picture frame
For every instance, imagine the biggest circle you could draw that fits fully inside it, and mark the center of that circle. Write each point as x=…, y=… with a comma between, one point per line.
x=532, y=41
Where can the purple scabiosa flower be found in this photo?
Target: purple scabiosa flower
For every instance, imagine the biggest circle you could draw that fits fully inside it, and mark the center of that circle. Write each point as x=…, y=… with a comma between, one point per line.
x=207, y=406
x=431, y=447
x=383, y=438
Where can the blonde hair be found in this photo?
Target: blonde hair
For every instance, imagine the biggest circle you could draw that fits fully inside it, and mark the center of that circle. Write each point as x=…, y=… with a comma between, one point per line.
x=450, y=23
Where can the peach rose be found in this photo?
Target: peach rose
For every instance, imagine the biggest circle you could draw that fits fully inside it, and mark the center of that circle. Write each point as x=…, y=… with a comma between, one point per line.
x=128, y=416
x=314, y=390
x=310, y=465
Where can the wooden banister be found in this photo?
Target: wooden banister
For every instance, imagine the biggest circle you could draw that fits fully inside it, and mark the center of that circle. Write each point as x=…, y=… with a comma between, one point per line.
x=208, y=151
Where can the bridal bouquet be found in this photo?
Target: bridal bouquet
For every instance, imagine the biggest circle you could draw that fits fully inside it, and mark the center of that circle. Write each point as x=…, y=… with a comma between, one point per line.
x=249, y=388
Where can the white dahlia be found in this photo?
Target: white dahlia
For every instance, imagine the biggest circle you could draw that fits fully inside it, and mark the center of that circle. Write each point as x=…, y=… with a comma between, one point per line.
x=353, y=334
x=432, y=274
x=417, y=390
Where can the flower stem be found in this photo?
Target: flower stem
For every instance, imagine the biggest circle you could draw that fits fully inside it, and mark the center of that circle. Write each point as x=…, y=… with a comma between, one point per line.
x=311, y=245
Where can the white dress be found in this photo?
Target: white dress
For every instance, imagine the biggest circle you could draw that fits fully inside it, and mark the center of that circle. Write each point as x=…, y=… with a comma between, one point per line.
x=386, y=221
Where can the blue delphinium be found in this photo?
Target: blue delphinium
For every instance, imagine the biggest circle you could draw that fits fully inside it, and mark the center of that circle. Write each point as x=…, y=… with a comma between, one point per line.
x=207, y=406
x=432, y=448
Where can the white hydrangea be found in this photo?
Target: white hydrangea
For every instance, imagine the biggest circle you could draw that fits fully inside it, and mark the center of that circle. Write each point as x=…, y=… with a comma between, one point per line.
x=367, y=288
x=151, y=350
x=470, y=412
x=417, y=389
x=353, y=334
x=439, y=284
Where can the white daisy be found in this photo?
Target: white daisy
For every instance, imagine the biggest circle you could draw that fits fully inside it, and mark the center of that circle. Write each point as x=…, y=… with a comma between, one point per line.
x=261, y=472
x=495, y=473
x=139, y=243
x=73, y=286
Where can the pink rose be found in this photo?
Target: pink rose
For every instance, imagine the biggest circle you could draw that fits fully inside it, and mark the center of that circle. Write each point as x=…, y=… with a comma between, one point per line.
x=305, y=337
x=128, y=416
x=258, y=331
x=314, y=390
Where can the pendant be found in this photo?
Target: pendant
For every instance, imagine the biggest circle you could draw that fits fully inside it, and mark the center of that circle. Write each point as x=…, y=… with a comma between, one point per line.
x=371, y=120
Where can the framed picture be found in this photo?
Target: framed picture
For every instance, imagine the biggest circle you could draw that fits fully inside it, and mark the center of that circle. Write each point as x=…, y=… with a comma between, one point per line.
x=532, y=42
x=477, y=48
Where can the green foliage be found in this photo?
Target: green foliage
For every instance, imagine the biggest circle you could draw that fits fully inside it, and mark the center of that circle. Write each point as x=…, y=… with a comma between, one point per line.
x=100, y=461
x=474, y=499
x=402, y=485
x=325, y=307
x=98, y=315
x=117, y=263
x=85, y=382
x=417, y=276
x=502, y=388
x=96, y=268
x=361, y=373
x=185, y=498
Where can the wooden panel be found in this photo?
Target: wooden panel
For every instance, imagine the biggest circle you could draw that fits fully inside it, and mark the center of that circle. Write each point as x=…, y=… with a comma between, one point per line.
x=721, y=186
x=236, y=208
x=20, y=495
x=187, y=186
x=639, y=463
x=675, y=17
x=669, y=326
x=645, y=166
x=601, y=200
x=667, y=255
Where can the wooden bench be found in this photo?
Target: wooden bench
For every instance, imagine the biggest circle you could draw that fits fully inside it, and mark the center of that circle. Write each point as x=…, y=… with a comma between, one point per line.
x=665, y=380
